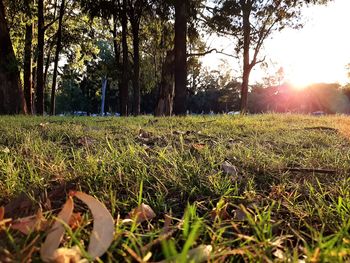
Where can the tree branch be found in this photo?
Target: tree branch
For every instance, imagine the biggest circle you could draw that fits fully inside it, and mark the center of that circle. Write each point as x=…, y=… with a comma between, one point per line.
x=208, y=52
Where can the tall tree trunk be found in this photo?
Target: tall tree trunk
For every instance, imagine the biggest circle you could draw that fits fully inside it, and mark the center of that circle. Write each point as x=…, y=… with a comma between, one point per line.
x=180, y=57
x=246, y=60
x=11, y=93
x=40, y=60
x=28, y=67
x=58, y=50
x=167, y=88
x=124, y=90
x=136, y=77
x=116, y=45
x=48, y=62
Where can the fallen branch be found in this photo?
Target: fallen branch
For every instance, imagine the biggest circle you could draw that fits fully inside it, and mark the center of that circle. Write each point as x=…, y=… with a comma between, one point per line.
x=309, y=170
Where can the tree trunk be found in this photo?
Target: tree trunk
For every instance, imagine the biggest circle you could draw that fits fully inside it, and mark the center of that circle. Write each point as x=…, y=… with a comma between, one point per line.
x=124, y=90
x=115, y=42
x=48, y=62
x=180, y=57
x=246, y=60
x=40, y=60
x=11, y=93
x=58, y=50
x=28, y=67
x=136, y=78
x=167, y=87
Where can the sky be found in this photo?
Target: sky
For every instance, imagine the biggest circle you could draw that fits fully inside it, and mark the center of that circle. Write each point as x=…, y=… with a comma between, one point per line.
x=319, y=52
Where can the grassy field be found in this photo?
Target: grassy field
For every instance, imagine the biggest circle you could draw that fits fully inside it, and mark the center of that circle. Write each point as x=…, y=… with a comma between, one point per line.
x=264, y=188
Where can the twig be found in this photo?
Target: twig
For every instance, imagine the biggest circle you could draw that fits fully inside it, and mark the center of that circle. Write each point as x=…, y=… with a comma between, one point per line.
x=322, y=128
x=310, y=170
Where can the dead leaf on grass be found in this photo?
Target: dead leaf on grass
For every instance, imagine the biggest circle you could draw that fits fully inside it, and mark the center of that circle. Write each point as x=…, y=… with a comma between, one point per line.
x=198, y=146
x=229, y=168
x=142, y=213
x=144, y=134
x=75, y=221
x=103, y=230
x=199, y=254
x=196, y=255
x=56, y=232
x=2, y=213
x=67, y=255
x=240, y=215
x=278, y=253
x=29, y=224
x=220, y=211
x=43, y=124
x=6, y=150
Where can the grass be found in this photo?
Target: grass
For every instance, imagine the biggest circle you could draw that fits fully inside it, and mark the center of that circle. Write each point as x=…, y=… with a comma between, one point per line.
x=266, y=212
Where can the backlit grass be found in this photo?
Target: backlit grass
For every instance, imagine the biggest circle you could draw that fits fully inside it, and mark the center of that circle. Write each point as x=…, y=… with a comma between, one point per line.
x=275, y=208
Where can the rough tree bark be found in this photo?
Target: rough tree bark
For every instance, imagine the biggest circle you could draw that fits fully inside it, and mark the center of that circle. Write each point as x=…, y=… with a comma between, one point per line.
x=167, y=87
x=39, y=103
x=136, y=78
x=180, y=57
x=57, y=54
x=28, y=68
x=247, y=66
x=124, y=90
x=11, y=93
x=28, y=60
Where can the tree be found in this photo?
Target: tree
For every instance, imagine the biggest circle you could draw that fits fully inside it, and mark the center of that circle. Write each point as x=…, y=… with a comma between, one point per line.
x=39, y=104
x=57, y=54
x=11, y=94
x=252, y=22
x=135, y=10
x=28, y=58
x=180, y=49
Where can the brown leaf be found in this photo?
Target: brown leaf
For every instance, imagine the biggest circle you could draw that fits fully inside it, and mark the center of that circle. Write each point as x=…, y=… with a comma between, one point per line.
x=29, y=224
x=75, y=221
x=56, y=232
x=220, y=212
x=142, y=213
x=198, y=146
x=103, y=230
x=2, y=213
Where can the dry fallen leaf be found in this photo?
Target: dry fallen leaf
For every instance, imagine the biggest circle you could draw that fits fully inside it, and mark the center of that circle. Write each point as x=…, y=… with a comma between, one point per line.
x=43, y=125
x=196, y=255
x=67, y=255
x=278, y=253
x=220, y=212
x=198, y=146
x=103, y=230
x=75, y=221
x=240, y=214
x=199, y=254
x=56, y=232
x=229, y=168
x=6, y=150
x=29, y=224
x=2, y=213
x=142, y=213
